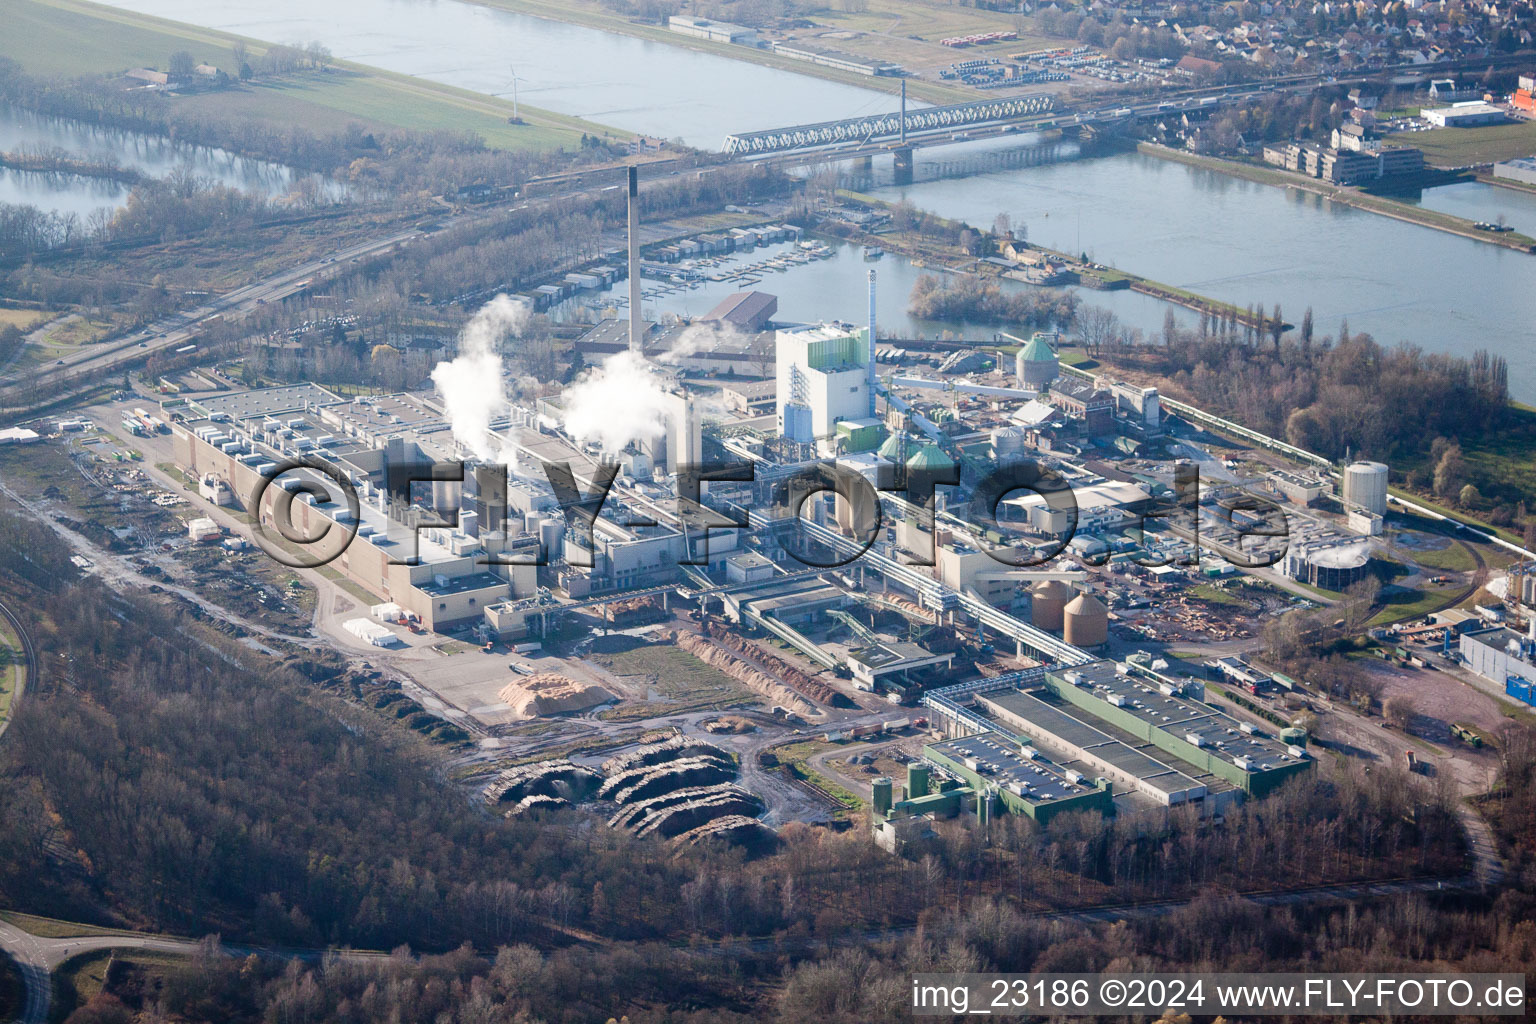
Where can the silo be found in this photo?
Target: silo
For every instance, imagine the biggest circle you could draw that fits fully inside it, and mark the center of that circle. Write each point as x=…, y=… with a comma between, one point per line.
x=551, y=533
x=1036, y=364
x=881, y=796
x=1007, y=443
x=1086, y=622
x=1048, y=600
x=917, y=779
x=1365, y=485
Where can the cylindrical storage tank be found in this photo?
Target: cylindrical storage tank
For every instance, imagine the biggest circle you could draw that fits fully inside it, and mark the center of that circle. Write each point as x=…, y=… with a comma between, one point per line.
x=1047, y=601
x=1007, y=442
x=880, y=797
x=1365, y=485
x=1295, y=737
x=917, y=779
x=1086, y=622
x=551, y=532
x=1338, y=569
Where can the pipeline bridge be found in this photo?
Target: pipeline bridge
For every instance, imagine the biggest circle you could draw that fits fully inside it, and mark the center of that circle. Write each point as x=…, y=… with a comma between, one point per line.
x=893, y=126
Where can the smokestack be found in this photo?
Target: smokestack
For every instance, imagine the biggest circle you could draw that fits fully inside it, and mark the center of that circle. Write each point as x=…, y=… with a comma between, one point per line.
x=870, y=379
x=636, y=326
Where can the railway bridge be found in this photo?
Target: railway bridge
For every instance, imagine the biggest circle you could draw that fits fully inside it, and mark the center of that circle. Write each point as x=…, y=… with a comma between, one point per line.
x=891, y=127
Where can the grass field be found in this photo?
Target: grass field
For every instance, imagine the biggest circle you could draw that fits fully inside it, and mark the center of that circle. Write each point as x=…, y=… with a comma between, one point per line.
x=1460, y=147
x=1214, y=595
x=1400, y=604
x=12, y=672
x=71, y=37
x=26, y=319
x=82, y=978
x=796, y=757
x=52, y=928
x=1456, y=558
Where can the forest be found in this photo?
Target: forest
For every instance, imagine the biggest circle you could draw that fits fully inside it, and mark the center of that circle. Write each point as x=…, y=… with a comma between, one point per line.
x=975, y=299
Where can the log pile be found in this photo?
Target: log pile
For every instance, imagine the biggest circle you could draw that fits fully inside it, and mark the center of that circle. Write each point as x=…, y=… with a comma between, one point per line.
x=743, y=672
x=802, y=683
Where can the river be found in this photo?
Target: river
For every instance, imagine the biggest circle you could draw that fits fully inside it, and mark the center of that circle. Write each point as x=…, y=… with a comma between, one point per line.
x=151, y=155
x=1197, y=229
x=667, y=91
x=1245, y=242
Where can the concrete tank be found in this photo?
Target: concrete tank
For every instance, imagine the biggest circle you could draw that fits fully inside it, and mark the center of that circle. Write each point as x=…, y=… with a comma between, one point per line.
x=1365, y=485
x=917, y=779
x=1086, y=622
x=1047, y=601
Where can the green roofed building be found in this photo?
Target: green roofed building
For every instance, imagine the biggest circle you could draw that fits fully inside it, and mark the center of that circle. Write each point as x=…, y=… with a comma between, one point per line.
x=1036, y=365
x=931, y=458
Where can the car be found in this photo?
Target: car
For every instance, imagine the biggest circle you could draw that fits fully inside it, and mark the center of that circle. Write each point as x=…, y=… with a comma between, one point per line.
x=59, y=363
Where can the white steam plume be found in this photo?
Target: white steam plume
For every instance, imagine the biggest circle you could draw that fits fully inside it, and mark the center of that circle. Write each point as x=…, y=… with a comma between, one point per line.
x=471, y=385
x=617, y=403
x=701, y=337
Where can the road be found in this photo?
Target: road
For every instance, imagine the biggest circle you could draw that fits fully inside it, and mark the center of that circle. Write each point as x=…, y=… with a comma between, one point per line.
x=39, y=957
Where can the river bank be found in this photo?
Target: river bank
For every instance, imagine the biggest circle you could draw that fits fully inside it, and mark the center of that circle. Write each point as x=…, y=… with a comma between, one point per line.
x=45, y=38
x=1346, y=196
x=58, y=163
x=591, y=16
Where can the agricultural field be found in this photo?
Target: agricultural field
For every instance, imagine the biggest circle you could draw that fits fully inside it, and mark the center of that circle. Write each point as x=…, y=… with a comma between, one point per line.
x=69, y=37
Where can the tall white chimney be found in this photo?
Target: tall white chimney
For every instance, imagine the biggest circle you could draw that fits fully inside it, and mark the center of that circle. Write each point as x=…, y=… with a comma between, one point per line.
x=870, y=370
x=636, y=325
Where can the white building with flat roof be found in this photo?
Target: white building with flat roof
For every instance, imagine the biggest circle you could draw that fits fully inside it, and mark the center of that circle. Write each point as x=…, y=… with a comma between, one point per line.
x=822, y=380
x=714, y=31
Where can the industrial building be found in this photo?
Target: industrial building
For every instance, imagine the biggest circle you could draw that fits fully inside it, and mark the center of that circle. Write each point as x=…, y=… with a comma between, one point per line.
x=1182, y=726
x=1521, y=169
x=407, y=549
x=1089, y=748
x=883, y=664
x=837, y=59
x=1464, y=115
x=1504, y=657
x=1121, y=729
x=714, y=31
x=822, y=374
x=1020, y=780
x=745, y=311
